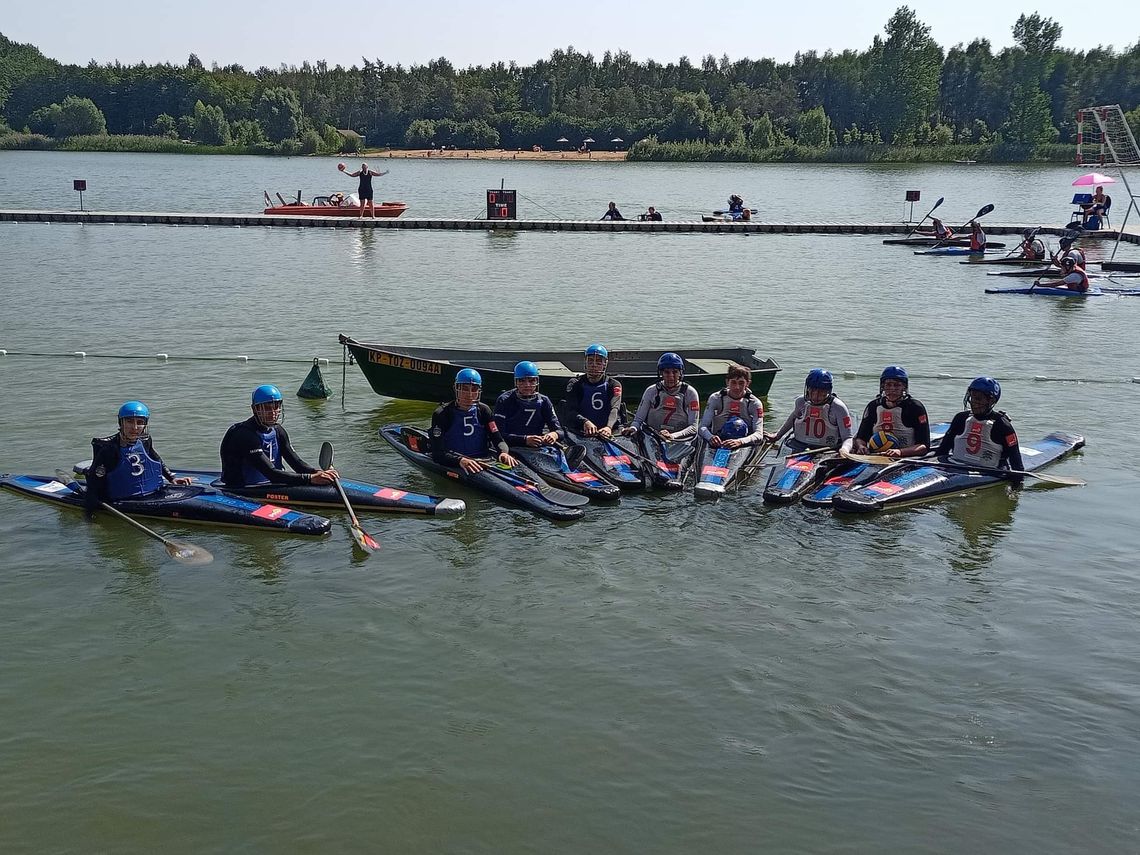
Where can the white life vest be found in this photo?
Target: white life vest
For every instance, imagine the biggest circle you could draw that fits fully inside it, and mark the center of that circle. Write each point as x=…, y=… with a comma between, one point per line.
x=749, y=408
x=975, y=445
x=668, y=409
x=890, y=420
x=815, y=427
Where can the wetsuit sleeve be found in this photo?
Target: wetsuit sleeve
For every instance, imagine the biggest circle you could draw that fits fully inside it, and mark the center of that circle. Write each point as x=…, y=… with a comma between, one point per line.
x=957, y=428
x=921, y=423
x=842, y=419
x=441, y=421
x=705, y=429
x=643, y=408
x=103, y=460
x=617, y=411
x=571, y=405
x=494, y=437
x=290, y=455
x=867, y=423
x=1004, y=433
x=550, y=416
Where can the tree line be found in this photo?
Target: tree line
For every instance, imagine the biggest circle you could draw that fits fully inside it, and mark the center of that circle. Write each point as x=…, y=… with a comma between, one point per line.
x=903, y=91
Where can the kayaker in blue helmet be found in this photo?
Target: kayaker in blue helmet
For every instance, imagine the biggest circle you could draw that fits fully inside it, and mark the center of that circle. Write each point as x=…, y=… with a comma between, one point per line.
x=255, y=451
x=735, y=400
x=818, y=418
x=670, y=406
x=592, y=404
x=524, y=415
x=982, y=435
x=894, y=411
x=463, y=432
x=125, y=465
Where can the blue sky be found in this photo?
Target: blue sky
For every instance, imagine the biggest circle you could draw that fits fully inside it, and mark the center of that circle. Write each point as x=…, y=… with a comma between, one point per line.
x=260, y=33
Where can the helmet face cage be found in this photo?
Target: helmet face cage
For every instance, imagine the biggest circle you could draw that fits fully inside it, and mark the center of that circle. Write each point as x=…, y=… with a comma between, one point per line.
x=469, y=377
x=595, y=353
x=268, y=405
x=135, y=410
x=895, y=372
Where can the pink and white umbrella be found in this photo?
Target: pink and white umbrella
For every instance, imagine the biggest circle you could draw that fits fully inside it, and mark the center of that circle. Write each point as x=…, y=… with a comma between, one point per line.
x=1092, y=179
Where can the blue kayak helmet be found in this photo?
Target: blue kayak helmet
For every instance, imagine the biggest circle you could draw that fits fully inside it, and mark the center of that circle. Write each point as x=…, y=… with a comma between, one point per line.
x=526, y=369
x=987, y=386
x=598, y=350
x=733, y=428
x=134, y=410
x=818, y=378
x=670, y=360
x=468, y=377
x=894, y=372
x=262, y=403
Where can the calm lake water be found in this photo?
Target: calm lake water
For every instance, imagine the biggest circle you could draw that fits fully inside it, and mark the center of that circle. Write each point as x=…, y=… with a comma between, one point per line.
x=659, y=677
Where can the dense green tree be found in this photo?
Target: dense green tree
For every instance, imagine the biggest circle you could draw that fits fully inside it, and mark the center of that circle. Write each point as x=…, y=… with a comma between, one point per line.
x=421, y=134
x=814, y=129
x=210, y=125
x=165, y=126
x=1030, y=119
x=903, y=76
x=278, y=111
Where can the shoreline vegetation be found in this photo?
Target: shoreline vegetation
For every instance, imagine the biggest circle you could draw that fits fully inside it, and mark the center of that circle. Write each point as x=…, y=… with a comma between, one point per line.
x=645, y=151
x=904, y=99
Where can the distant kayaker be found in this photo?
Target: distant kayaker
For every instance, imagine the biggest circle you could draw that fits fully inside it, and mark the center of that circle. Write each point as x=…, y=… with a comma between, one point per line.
x=254, y=452
x=981, y=435
x=125, y=465
x=736, y=208
x=735, y=400
x=977, y=237
x=1074, y=278
x=364, y=190
x=652, y=214
x=1067, y=250
x=670, y=406
x=818, y=418
x=612, y=213
x=524, y=415
x=895, y=412
x=1032, y=247
x=941, y=230
x=463, y=432
x=592, y=404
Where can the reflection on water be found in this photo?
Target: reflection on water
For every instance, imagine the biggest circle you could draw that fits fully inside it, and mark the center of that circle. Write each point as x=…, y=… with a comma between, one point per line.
x=984, y=518
x=363, y=247
x=262, y=553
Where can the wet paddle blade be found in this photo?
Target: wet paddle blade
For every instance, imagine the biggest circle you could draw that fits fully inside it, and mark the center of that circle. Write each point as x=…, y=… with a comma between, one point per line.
x=187, y=553
x=326, y=457
x=363, y=539
x=575, y=454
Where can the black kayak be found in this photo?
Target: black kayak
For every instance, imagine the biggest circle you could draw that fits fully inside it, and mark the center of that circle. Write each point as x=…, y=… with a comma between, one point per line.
x=907, y=484
x=519, y=485
x=931, y=241
x=364, y=497
x=666, y=461
x=851, y=473
x=794, y=474
x=1008, y=262
x=610, y=460
x=550, y=462
x=193, y=504
x=721, y=468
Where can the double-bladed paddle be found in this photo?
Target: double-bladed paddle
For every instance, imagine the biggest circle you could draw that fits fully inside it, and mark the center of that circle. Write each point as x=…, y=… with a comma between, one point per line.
x=982, y=211
x=363, y=539
x=186, y=553
x=941, y=199
x=1063, y=480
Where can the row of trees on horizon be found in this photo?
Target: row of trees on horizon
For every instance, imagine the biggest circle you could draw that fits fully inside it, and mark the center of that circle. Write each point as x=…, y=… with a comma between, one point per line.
x=904, y=90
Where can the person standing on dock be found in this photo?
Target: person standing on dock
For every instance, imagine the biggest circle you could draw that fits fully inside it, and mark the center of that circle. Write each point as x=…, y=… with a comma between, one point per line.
x=364, y=190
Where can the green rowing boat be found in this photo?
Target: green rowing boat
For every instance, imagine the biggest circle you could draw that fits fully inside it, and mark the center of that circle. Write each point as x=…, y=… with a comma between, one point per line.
x=428, y=373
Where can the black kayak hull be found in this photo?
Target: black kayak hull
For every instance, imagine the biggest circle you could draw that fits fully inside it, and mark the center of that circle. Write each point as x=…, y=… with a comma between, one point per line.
x=192, y=504
x=851, y=473
x=718, y=469
x=668, y=461
x=609, y=460
x=509, y=490
x=931, y=241
x=551, y=464
x=364, y=497
x=794, y=474
x=902, y=485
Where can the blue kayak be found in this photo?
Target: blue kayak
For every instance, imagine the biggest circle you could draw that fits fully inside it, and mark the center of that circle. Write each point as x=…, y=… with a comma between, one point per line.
x=668, y=461
x=721, y=468
x=950, y=250
x=518, y=485
x=550, y=462
x=1045, y=291
x=851, y=473
x=609, y=459
x=195, y=504
x=911, y=483
x=794, y=474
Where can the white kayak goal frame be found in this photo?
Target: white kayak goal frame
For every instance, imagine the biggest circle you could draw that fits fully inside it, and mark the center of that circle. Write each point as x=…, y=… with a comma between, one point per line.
x=1117, y=148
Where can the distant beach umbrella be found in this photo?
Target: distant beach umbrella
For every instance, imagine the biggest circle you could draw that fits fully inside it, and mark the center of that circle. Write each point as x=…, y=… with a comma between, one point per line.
x=562, y=139
x=617, y=139
x=1093, y=178
x=588, y=139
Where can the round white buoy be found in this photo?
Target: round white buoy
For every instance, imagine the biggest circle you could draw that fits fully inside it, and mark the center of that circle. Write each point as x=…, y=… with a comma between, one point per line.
x=945, y=377
x=82, y=354
x=1134, y=379
x=243, y=359
x=850, y=375
x=5, y=353
x=162, y=356
x=322, y=361
x=1040, y=377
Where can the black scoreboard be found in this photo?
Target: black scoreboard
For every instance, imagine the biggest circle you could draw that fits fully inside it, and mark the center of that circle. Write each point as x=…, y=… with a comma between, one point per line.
x=502, y=204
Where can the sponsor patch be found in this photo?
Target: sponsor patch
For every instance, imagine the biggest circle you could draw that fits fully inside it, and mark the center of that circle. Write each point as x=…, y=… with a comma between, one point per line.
x=270, y=512
x=882, y=488
x=52, y=487
x=389, y=493
x=616, y=459
x=714, y=472
x=581, y=477
x=1011, y=440
x=437, y=432
x=100, y=471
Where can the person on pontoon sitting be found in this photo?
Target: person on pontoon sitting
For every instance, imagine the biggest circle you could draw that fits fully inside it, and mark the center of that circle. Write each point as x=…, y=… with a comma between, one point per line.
x=1094, y=210
x=736, y=208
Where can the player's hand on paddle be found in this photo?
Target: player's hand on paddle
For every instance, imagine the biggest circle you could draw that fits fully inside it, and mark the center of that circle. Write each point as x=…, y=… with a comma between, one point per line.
x=589, y=428
x=605, y=432
x=324, y=476
x=730, y=443
x=666, y=434
x=550, y=437
x=182, y=481
x=859, y=446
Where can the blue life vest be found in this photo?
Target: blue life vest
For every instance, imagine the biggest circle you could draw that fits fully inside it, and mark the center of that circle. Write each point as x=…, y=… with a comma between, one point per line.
x=522, y=416
x=467, y=436
x=272, y=450
x=595, y=401
x=138, y=474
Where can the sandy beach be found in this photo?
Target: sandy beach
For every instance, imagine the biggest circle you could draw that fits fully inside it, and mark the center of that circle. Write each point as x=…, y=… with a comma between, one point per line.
x=496, y=154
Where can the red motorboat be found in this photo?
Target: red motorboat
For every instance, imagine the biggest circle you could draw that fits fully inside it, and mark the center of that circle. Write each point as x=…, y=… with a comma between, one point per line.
x=333, y=205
